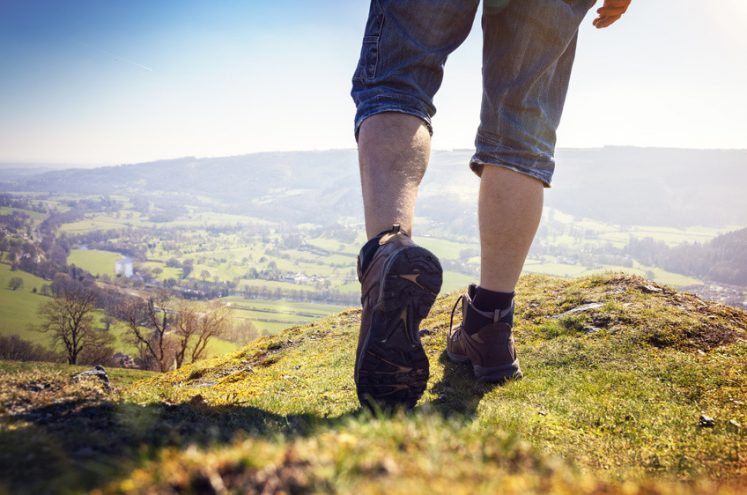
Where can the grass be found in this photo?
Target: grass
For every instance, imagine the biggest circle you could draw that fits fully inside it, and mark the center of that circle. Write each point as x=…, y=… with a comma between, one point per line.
x=18, y=307
x=94, y=261
x=610, y=403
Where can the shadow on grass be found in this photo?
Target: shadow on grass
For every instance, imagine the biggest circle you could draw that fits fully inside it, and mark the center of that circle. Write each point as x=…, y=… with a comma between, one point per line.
x=80, y=445
x=458, y=392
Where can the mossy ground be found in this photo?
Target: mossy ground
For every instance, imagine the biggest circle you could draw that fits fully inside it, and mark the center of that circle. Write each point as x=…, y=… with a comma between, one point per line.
x=618, y=372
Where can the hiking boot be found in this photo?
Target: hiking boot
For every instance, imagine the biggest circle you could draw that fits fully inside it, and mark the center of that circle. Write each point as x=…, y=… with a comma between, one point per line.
x=398, y=285
x=488, y=345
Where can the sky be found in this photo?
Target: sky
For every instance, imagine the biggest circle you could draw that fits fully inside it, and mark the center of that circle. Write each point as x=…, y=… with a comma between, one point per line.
x=105, y=82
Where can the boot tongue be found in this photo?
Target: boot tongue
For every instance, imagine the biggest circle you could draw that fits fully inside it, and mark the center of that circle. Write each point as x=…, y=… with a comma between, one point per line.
x=387, y=236
x=369, y=248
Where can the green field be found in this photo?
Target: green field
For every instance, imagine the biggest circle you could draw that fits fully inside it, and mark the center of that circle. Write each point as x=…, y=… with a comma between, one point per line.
x=94, y=261
x=18, y=307
x=273, y=316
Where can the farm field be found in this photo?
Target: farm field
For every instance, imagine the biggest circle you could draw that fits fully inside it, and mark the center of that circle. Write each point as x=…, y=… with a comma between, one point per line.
x=270, y=316
x=94, y=261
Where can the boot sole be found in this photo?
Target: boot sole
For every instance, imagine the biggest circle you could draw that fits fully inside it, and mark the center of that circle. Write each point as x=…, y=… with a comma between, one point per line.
x=393, y=367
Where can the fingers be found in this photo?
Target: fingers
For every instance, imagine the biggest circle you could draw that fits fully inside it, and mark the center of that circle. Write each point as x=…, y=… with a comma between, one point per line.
x=610, y=12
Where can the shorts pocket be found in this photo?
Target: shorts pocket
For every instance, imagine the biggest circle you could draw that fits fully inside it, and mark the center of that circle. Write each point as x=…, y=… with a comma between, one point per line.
x=369, y=58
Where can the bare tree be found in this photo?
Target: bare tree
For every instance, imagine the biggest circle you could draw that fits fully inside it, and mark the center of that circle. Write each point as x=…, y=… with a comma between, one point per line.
x=69, y=318
x=195, y=326
x=149, y=322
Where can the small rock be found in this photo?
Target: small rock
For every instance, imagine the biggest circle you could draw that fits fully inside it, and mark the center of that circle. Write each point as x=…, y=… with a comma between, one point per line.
x=424, y=332
x=579, y=309
x=590, y=329
x=542, y=413
x=701, y=352
x=204, y=384
x=650, y=289
x=98, y=372
x=390, y=466
x=734, y=424
x=706, y=421
x=37, y=387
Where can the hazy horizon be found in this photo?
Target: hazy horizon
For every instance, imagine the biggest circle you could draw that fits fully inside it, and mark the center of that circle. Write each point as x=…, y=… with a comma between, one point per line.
x=100, y=83
x=65, y=165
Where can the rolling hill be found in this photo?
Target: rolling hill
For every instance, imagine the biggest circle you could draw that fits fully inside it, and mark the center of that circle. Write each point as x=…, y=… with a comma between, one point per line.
x=630, y=387
x=622, y=185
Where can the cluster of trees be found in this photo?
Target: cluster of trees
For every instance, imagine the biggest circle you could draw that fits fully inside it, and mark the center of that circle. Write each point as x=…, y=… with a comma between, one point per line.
x=14, y=348
x=724, y=259
x=11, y=201
x=168, y=333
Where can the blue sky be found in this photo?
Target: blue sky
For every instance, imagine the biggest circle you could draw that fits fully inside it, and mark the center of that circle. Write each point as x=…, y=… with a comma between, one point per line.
x=103, y=82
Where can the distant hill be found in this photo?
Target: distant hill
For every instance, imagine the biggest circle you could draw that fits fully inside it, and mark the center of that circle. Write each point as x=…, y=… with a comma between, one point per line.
x=723, y=259
x=629, y=388
x=630, y=186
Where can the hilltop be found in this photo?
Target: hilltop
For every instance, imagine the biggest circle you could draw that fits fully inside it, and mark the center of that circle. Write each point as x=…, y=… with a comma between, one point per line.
x=630, y=387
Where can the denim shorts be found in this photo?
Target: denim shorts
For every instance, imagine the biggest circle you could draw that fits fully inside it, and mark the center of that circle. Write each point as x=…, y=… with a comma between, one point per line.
x=528, y=51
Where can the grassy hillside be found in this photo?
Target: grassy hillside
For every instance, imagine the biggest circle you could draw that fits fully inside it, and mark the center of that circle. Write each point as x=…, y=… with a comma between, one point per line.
x=18, y=307
x=612, y=402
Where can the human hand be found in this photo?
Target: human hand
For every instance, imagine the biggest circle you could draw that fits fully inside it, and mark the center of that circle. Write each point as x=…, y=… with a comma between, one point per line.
x=610, y=12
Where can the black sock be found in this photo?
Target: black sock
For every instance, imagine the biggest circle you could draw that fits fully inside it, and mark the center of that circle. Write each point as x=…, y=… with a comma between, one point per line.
x=488, y=300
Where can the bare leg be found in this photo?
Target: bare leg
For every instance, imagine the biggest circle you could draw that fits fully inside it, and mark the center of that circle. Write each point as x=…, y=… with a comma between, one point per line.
x=509, y=211
x=393, y=151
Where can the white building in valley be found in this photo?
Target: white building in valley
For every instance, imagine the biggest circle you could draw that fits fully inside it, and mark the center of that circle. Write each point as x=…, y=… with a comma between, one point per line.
x=123, y=267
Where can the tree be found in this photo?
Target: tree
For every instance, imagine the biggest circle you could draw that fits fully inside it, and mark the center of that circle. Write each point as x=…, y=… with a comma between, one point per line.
x=241, y=333
x=187, y=268
x=69, y=318
x=15, y=283
x=195, y=326
x=15, y=348
x=149, y=322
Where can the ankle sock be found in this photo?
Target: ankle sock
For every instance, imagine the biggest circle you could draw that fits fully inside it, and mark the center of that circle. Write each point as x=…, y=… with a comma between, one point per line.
x=487, y=301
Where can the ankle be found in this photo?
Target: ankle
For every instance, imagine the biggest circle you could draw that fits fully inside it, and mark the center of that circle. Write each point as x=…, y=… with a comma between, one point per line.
x=488, y=300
